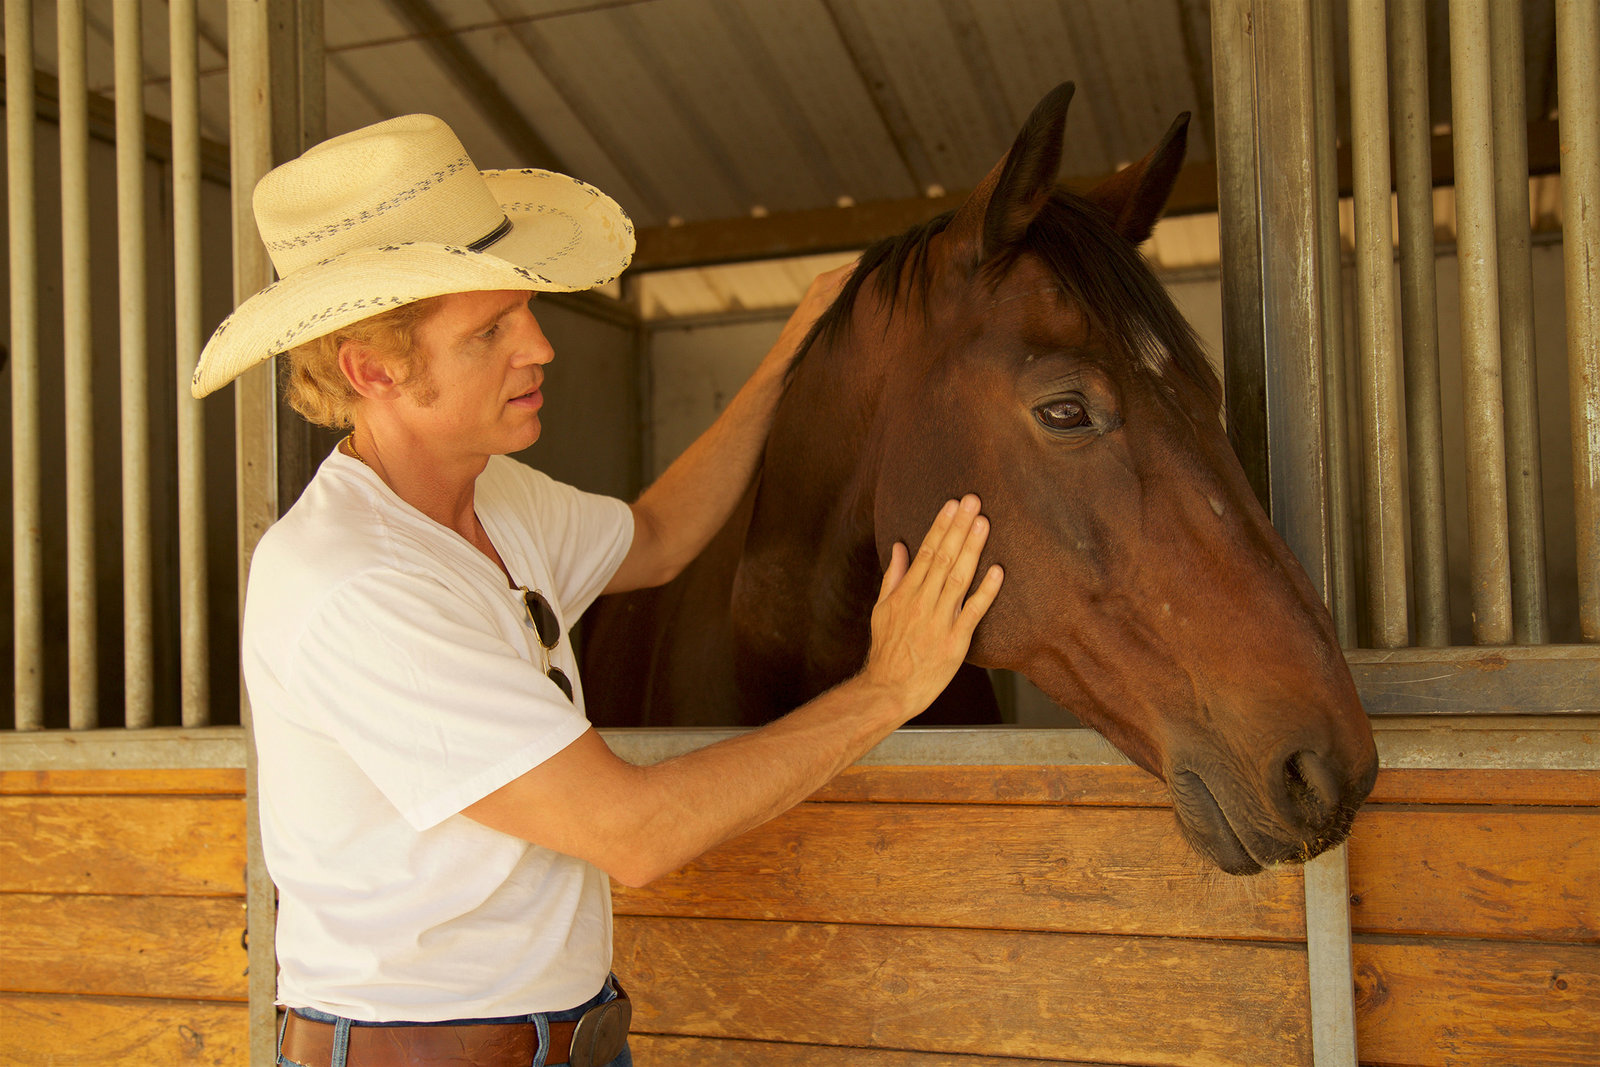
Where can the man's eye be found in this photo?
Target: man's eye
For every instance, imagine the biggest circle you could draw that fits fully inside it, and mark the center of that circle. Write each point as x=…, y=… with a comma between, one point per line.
x=490, y=332
x=1062, y=415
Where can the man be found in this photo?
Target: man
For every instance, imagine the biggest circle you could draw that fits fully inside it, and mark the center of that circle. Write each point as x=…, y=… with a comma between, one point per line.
x=437, y=813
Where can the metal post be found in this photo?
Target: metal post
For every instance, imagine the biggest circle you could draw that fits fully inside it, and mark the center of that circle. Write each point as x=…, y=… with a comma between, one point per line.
x=1264, y=89
x=193, y=601
x=250, y=118
x=27, y=560
x=1408, y=101
x=1378, y=360
x=1487, y=532
x=1341, y=476
x=1578, y=82
x=1530, y=624
x=77, y=342
x=138, y=650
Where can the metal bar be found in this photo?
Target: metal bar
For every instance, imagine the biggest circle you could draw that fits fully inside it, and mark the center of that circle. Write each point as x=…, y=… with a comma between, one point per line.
x=250, y=120
x=1328, y=951
x=194, y=606
x=1530, y=624
x=138, y=647
x=1379, y=363
x=1578, y=76
x=1342, y=598
x=27, y=560
x=77, y=342
x=1239, y=232
x=1412, y=138
x=1487, y=533
x=1291, y=298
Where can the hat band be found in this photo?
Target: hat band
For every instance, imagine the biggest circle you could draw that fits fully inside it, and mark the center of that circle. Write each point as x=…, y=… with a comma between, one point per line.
x=492, y=236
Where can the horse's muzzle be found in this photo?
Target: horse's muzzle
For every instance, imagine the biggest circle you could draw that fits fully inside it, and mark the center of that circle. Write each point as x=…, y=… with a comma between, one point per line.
x=1306, y=808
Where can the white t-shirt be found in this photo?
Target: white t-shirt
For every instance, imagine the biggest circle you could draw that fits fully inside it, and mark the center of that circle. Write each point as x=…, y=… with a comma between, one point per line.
x=394, y=679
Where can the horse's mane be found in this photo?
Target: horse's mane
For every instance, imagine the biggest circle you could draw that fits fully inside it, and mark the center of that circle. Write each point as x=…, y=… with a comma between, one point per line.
x=1096, y=268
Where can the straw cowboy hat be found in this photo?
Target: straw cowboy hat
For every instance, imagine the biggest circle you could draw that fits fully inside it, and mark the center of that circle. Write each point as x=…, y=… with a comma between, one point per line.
x=397, y=212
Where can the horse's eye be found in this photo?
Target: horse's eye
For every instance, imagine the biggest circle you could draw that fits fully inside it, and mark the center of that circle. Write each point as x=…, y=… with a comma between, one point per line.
x=1062, y=415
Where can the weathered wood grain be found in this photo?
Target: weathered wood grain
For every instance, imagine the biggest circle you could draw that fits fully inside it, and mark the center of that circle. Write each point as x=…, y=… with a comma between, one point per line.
x=653, y=1050
x=979, y=992
x=1126, y=786
x=1100, y=870
x=1522, y=873
x=161, y=845
x=172, y=947
x=1464, y=1002
x=195, y=781
x=54, y=1031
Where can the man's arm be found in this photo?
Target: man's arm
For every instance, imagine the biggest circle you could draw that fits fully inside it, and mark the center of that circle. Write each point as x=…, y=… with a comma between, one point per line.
x=679, y=514
x=638, y=823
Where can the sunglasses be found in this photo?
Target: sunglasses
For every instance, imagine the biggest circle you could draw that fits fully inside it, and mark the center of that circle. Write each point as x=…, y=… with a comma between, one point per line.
x=548, y=627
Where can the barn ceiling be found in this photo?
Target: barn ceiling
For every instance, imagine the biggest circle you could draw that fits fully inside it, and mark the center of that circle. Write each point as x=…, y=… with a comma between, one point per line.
x=732, y=129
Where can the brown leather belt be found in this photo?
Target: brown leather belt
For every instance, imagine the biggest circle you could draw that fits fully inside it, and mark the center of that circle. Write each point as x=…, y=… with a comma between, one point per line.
x=592, y=1041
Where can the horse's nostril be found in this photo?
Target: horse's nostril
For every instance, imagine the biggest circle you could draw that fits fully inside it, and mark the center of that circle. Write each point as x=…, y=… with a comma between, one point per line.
x=1313, y=787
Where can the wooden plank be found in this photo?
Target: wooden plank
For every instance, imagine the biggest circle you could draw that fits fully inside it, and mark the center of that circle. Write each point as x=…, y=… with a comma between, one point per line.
x=1515, y=873
x=195, y=781
x=188, y=947
x=662, y=1051
x=173, y=846
x=54, y=1031
x=979, y=992
x=1427, y=1004
x=1117, y=785
x=1560, y=788
x=1110, y=785
x=1085, y=870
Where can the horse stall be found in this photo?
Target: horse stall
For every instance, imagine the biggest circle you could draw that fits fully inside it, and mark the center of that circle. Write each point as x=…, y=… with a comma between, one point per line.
x=1411, y=378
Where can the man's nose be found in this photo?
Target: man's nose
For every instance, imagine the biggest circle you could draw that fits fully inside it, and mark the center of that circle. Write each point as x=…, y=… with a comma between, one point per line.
x=533, y=346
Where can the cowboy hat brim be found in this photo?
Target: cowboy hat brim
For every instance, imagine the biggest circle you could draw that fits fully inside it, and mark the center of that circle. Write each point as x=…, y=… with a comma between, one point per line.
x=565, y=236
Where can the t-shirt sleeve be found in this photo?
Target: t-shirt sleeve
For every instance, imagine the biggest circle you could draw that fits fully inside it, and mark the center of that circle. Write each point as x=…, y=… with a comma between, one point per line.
x=420, y=689
x=585, y=537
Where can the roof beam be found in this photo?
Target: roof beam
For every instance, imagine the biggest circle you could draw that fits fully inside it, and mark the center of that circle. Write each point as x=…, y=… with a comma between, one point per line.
x=801, y=233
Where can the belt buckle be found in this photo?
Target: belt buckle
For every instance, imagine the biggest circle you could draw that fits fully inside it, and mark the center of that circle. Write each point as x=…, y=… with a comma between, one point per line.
x=601, y=1033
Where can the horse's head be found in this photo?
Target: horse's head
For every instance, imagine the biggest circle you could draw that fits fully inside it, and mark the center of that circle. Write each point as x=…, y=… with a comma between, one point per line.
x=1041, y=365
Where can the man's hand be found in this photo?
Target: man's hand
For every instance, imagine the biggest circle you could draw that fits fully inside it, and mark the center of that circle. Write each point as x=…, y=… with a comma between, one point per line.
x=923, y=622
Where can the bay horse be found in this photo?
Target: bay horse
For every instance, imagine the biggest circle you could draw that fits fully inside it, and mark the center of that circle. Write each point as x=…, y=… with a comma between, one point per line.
x=1020, y=348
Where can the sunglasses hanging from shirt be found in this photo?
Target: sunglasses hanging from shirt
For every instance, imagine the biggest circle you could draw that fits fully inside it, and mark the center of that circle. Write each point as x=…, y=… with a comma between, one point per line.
x=548, y=628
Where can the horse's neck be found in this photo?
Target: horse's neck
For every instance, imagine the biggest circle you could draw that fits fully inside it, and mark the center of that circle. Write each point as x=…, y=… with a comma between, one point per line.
x=810, y=555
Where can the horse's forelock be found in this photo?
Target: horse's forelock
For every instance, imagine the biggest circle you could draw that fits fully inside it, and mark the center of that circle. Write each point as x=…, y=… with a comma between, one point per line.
x=1096, y=268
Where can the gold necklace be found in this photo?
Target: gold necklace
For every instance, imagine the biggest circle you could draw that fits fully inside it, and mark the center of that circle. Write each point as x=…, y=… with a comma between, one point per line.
x=350, y=440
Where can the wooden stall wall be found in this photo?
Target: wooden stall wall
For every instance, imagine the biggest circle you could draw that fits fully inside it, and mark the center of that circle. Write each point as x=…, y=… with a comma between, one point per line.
x=122, y=918
x=1022, y=915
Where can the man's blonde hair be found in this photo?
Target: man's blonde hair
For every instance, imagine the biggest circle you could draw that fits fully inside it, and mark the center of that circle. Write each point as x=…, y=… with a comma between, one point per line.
x=316, y=387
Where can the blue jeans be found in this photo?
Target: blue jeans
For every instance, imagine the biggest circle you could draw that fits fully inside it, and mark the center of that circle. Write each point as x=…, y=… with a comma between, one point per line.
x=542, y=1020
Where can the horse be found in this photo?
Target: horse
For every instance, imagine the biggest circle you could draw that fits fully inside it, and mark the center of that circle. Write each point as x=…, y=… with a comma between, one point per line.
x=1020, y=348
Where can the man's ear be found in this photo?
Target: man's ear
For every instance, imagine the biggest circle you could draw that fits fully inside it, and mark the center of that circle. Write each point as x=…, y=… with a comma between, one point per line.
x=367, y=371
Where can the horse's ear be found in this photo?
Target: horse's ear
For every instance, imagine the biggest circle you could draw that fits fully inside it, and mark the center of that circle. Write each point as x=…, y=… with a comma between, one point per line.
x=1000, y=209
x=1136, y=195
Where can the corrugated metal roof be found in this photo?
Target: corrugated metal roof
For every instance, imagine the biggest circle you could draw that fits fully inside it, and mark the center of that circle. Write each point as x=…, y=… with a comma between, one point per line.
x=698, y=111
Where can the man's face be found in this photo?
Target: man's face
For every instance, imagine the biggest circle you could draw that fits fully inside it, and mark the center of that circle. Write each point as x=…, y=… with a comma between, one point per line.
x=480, y=362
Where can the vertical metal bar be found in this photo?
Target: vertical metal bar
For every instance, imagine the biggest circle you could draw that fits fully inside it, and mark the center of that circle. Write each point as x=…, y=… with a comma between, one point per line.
x=1244, y=359
x=1487, y=533
x=1264, y=89
x=193, y=603
x=1413, y=164
x=1342, y=599
x=77, y=344
x=27, y=560
x=1578, y=83
x=138, y=649
x=1291, y=296
x=250, y=152
x=1378, y=361
x=1530, y=622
